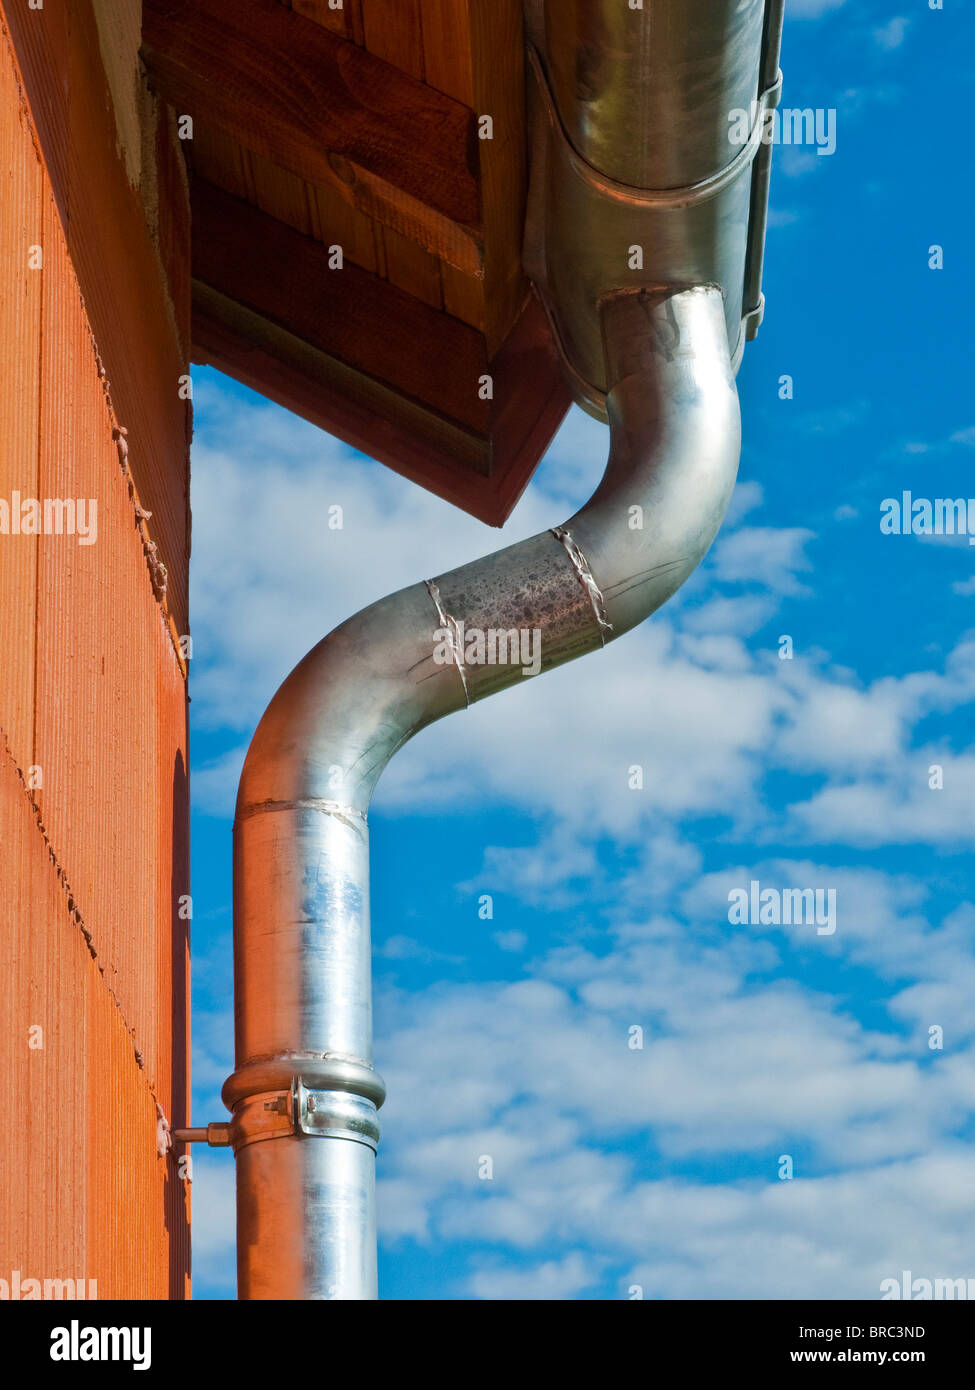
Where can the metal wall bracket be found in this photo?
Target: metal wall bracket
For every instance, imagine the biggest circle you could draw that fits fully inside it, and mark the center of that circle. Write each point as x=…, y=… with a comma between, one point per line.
x=288, y=1114
x=216, y=1135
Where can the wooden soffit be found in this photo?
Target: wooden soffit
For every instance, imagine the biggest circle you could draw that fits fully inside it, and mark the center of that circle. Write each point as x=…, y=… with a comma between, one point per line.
x=356, y=240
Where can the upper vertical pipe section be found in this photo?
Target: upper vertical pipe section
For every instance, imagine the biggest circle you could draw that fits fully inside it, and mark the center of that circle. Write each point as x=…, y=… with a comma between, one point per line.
x=638, y=90
x=643, y=170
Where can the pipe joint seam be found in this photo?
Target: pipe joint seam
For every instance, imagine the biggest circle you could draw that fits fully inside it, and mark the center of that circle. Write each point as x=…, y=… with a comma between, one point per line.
x=634, y=195
x=450, y=627
x=311, y=803
x=587, y=579
x=320, y=1072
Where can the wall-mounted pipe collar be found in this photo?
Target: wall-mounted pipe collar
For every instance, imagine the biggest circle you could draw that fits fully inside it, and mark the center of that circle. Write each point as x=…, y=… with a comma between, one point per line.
x=301, y=1111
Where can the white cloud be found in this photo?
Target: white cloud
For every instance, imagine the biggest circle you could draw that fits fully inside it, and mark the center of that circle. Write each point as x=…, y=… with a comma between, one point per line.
x=763, y=555
x=542, y=872
x=543, y=1081
x=553, y=1279
x=737, y=1059
x=214, y=1217
x=794, y=162
x=748, y=495
x=898, y=808
x=513, y=941
x=645, y=701
x=685, y=697
x=400, y=947
x=825, y=1238
x=214, y=787
x=891, y=35
x=727, y=617
x=781, y=217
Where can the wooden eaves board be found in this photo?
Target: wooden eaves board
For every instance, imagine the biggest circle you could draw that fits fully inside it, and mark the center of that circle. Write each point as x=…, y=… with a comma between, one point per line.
x=315, y=127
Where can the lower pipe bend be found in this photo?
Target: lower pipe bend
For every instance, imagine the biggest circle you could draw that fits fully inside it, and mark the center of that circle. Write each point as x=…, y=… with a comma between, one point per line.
x=376, y=680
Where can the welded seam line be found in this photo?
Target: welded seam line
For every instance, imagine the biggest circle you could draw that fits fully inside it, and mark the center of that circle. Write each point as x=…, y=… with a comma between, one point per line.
x=586, y=578
x=311, y=803
x=449, y=625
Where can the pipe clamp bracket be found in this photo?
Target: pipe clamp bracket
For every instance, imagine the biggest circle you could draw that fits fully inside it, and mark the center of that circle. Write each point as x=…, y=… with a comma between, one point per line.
x=302, y=1111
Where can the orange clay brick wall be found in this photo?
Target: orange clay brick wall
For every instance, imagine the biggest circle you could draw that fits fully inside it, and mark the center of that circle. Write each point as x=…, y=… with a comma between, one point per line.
x=94, y=937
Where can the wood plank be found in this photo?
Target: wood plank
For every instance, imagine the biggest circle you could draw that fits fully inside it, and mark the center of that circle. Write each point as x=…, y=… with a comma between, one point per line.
x=325, y=13
x=447, y=48
x=530, y=402
x=412, y=439
x=484, y=475
x=215, y=156
x=346, y=20
x=290, y=90
x=463, y=296
x=498, y=49
x=280, y=193
x=336, y=223
x=370, y=325
x=411, y=268
x=393, y=31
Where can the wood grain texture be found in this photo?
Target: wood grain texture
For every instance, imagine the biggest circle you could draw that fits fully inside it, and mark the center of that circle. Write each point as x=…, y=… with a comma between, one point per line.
x=370, y=325
x=464, y=296
x=483, y=473
x=412, y=439
x=336, y=223
x=291, y=91
x=447, y=48
x=393, y=31
x=412, y=269
x=469, y=53
x=498, y=57
x=339, y=21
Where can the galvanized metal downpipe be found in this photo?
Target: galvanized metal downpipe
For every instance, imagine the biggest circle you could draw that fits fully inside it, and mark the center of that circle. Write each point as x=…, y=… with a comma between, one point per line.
x=304, y=1094
x=301, y=872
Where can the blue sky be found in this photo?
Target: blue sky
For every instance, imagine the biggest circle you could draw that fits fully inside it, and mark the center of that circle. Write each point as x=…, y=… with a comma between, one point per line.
x=659, y=1167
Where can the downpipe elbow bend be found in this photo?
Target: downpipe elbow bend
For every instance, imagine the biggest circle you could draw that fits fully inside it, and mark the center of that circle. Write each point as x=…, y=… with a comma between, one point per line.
x=304, y=1093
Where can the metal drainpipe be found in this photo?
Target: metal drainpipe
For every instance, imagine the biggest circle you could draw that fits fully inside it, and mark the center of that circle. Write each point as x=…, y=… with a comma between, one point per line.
x=617, y=95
